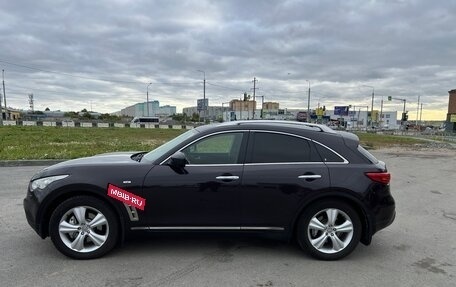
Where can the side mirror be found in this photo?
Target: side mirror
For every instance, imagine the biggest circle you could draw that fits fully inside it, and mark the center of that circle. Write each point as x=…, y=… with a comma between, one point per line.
x=178, y=160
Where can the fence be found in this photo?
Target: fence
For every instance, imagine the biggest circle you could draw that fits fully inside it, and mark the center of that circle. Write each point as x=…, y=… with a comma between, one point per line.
x=73, y=124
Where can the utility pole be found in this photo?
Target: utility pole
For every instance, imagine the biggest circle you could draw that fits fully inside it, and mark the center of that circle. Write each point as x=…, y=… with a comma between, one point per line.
x=4, y=94
x=421, y=112
x=372, y=108
x=417, y=111
x=204, y=94
x=308, y=104
x=254, y=90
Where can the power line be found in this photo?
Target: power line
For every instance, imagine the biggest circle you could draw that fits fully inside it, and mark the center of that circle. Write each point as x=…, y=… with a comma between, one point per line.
x=67, y=74
x=225, y=87
x=93, y=78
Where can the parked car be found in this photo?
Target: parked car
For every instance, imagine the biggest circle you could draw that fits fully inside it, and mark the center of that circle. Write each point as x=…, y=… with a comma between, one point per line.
x=289, y=179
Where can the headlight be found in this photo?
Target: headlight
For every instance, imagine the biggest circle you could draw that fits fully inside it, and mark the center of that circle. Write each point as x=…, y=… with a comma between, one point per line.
x=41, y=183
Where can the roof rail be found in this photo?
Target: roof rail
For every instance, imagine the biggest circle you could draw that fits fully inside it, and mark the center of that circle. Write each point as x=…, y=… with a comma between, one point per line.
x=319, y=127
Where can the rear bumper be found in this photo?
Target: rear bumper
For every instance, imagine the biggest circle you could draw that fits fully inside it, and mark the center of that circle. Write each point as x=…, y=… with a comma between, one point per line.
x=384, y=209
x=385, y=218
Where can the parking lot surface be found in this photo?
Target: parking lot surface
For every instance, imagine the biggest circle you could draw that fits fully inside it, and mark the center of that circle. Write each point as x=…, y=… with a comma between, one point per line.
x=418, y=249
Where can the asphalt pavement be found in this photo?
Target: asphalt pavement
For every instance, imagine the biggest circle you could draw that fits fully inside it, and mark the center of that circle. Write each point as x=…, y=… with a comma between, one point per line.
x=418, y=249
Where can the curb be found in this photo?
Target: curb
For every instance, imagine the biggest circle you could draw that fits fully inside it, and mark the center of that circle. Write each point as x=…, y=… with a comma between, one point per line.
x=38, y=162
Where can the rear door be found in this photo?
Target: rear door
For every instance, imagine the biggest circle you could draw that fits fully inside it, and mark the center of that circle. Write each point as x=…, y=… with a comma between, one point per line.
x=281, y=170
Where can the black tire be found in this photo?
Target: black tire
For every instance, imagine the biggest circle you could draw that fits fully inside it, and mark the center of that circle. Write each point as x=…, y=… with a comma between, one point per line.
x=324, y=234
x=96, y=239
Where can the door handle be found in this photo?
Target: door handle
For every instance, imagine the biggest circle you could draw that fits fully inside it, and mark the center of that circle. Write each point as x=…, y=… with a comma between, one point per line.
x=309, y=176
x=227, y=177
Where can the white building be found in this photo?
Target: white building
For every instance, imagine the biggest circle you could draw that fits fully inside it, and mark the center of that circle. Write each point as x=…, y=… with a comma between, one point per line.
x=358, y=119
x=166, y=110
x=140, y=110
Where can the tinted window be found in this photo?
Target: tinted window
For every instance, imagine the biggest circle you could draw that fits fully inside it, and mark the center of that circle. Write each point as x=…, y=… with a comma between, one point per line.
x=217, y=149
x=163, y=149
x=271, y=147
x=327, y=155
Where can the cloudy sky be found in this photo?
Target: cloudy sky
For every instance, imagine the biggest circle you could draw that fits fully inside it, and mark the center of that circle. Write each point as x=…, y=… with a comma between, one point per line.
x=77, y=54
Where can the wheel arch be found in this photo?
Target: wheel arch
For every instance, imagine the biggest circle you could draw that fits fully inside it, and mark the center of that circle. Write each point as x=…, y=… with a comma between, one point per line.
x=364, y=216
x=67, y=192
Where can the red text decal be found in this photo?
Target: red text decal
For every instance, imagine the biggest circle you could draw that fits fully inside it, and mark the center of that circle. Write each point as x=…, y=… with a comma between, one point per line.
x=125, y=196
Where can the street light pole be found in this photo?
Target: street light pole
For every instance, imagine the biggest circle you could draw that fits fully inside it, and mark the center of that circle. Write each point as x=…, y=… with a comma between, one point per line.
x=308, y=103
x=4, y=95
x=372, y=105
x=147, y=98
x=204, y=94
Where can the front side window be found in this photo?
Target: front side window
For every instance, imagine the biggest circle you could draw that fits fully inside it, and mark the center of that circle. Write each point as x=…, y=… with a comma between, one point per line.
x=280, y=148
x=217, y=149
x=166, y=147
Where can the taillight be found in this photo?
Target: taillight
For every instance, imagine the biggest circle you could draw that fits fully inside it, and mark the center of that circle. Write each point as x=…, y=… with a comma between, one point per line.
x=381, y=177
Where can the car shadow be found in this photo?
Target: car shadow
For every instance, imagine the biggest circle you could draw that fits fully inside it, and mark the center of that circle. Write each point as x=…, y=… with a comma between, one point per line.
x=200, y=242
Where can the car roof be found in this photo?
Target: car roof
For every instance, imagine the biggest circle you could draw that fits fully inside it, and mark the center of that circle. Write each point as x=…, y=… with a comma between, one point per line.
x=319, y=131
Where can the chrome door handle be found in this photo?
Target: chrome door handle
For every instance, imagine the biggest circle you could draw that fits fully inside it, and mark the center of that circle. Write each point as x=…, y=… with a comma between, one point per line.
x=309, y=176
x=227, y=177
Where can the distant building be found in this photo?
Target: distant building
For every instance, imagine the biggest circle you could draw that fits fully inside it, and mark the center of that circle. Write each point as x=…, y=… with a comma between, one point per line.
x=140, y=110
x=270, y=106
x=54, y=114
x=166, y=110
x=246, y=109
x=451, y=116
x=11, y=114
x=360, y=118
x=212, y=112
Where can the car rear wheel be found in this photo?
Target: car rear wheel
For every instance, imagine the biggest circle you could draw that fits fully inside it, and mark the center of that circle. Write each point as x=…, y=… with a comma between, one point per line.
x=83, y=227
x=329, y=230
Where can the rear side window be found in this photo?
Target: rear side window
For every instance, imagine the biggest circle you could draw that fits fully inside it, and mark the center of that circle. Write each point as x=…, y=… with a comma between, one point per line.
x=279, y=148
x=367, y=154
x=327, y=155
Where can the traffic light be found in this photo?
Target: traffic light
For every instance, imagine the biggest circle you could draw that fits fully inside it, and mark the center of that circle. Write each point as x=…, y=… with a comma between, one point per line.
x=404, y=117
x=390, y=98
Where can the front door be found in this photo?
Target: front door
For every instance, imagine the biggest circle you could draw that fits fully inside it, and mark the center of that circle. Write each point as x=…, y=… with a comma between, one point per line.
x=204, y=194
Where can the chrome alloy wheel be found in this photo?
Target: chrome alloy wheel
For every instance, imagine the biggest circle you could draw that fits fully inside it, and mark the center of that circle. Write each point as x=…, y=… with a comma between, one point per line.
x=83, y=229
x=330, y=230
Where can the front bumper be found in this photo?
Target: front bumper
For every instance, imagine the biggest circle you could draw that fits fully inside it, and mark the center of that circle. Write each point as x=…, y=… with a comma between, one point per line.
x=31, y=209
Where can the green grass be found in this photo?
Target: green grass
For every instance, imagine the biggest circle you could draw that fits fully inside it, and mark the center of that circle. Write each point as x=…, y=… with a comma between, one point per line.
x=67, y=143
x=375, y=141
x=17, y=142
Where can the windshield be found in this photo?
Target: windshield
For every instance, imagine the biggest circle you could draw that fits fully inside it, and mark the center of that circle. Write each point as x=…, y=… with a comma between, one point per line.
x=164, y=148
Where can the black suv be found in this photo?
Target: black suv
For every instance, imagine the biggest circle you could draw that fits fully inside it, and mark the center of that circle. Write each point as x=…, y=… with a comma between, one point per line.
x=290, y=179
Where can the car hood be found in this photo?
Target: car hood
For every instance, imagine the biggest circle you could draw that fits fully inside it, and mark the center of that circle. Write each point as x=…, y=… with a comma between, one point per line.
x=106, y=159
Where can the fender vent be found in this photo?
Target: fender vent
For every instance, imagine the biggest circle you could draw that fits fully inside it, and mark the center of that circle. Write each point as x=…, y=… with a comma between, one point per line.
x=132, y=213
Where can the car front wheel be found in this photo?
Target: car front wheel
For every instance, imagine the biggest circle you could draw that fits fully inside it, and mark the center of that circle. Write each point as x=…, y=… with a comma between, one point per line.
x=329, y=230
x=83, y=227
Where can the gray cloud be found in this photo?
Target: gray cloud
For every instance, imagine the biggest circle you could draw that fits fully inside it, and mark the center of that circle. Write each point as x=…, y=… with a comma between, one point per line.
x=402, y=48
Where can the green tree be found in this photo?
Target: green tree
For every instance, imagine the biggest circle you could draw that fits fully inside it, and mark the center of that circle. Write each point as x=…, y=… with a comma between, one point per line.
x=195, y=117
